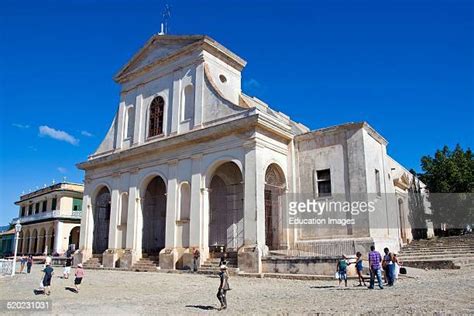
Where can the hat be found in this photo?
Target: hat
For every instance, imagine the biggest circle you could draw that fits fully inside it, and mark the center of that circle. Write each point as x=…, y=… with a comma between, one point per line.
x=79, y=265
x=223, y=267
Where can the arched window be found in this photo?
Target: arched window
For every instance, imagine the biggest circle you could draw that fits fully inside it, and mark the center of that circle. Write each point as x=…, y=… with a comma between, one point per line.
x=185, y=201
x=156, y=117
x=129, y=122
x=188, y=103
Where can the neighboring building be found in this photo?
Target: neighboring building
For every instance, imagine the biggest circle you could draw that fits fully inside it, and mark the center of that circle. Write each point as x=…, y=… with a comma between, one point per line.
x=7, y=240
x=191, y=162
x=50, y=219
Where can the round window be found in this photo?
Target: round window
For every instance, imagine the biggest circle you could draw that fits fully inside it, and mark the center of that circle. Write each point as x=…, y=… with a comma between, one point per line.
x=222, y=78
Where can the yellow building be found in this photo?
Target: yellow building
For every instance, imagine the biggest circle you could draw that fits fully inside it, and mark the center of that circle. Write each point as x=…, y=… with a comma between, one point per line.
x=50, y=219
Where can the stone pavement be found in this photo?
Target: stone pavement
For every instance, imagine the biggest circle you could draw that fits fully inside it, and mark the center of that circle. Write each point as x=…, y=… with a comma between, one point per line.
x=124, y=292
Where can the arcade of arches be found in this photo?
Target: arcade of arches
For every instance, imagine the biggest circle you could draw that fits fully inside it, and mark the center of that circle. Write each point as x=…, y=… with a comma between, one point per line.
x=42, y=238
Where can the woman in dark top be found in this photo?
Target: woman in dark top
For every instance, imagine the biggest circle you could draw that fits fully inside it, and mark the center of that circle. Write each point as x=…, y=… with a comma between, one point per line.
x=48, y=275
x=29, y=263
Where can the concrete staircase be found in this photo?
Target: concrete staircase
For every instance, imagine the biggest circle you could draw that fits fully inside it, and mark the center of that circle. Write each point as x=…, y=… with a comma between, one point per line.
x=94, y=262
x=211, y=265
x=148, y=263
x=440, y=253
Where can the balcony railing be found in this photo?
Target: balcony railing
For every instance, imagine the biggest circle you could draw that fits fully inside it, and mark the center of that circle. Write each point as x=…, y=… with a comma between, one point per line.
x=49, y=215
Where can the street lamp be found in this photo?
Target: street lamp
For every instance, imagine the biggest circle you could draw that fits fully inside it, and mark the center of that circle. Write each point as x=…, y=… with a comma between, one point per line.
x=17, y=234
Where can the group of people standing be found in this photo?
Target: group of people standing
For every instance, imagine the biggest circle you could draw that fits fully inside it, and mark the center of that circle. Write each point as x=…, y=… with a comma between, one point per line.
x=388, y=263
x=26, y=261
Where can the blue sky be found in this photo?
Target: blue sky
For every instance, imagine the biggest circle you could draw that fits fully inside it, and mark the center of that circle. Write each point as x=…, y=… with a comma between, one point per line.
x=404, y=66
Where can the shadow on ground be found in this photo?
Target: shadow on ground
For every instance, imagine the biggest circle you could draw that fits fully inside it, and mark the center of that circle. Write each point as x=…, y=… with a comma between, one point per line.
x=71, y=289
x=203, y=307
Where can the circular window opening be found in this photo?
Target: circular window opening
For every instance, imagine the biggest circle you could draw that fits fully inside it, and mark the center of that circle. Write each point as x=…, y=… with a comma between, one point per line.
x=222, y=78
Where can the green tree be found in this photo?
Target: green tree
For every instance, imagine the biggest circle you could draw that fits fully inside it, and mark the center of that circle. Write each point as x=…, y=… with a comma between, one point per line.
x=449, y=177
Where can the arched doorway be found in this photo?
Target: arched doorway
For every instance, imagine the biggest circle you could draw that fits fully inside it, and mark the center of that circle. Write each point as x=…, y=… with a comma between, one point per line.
x=42, y=240
x=274, y=188
x=101, y=214
x=226, y=214
x=154, y=217
x=74, y=237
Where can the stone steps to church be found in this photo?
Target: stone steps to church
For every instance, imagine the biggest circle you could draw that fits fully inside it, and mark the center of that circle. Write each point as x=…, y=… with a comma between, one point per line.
x=456, y=263
x=146, y=264
x=446, y=250
x=441, y=253
x=435, y=256
x=434, y=248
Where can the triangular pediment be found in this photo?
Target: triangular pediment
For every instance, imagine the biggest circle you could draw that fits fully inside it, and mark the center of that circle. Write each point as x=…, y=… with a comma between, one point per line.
x=159, y=47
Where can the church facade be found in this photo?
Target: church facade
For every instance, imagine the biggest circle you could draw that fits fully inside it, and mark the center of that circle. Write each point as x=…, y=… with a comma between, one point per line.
x=191, y=162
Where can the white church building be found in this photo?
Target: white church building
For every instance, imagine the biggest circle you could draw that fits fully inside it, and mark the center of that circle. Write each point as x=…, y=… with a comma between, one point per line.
x=191, y=162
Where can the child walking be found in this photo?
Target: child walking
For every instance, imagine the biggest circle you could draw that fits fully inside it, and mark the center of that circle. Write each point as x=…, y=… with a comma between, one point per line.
x=341, y=269
x=48, y=275
x=79, y=275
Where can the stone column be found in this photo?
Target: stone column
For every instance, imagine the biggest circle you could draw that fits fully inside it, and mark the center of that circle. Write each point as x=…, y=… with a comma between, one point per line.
x=196, y=214
x=133, y=251
x=195, y=225
x=139, y=133
x=120, y=124
x=110, y=256
x=58, y=242
x=85, y=236
x=199, y=95
x=254, y=209
x=23, y=244
x=169, y=255
x=174, y=104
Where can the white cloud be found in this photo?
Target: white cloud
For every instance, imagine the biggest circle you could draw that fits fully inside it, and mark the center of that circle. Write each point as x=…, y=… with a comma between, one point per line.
x=86, y=133
x=21, y=125
x=58, y=135
x=62, y=170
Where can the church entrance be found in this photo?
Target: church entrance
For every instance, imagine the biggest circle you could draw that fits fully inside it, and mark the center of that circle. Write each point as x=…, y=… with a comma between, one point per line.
x=154, y=217
x=101, y=214
x=74, y=237
x=226, y=214
x=274, y=188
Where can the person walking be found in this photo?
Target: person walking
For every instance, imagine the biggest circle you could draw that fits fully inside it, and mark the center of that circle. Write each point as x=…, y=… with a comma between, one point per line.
x=196, y=256
x=223, y=287
x=67, y=268
x=375, y=260
x=29, y=263
x=48, y=275
x=341, y=269
x=79, y=275
x=388, y=266
x=22, y=263
x=359, y=268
